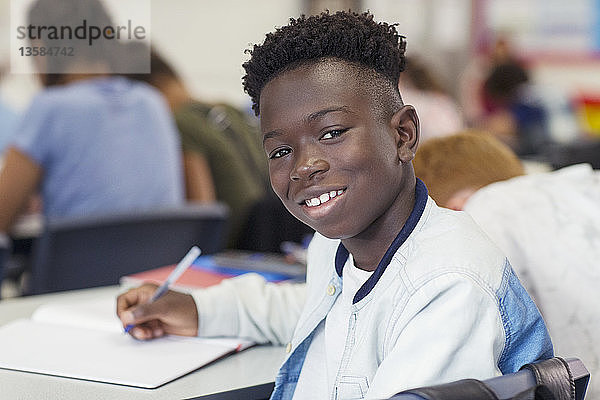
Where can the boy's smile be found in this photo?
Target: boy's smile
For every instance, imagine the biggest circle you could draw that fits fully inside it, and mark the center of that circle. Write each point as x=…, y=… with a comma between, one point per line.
x=335, y=159
x=322, y=199
x=320, y=205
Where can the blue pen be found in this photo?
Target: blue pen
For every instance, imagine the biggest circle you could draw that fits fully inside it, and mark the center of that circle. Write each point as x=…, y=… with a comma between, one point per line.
x=184, y=264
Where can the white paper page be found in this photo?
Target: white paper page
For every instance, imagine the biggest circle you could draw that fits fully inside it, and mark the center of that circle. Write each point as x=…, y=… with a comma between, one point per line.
x=100, y=314
x=103, y=356
x=97, y=313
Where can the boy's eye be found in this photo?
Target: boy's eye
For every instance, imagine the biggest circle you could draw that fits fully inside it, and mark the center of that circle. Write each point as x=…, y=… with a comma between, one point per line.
x=333, y=133
x=279, y=153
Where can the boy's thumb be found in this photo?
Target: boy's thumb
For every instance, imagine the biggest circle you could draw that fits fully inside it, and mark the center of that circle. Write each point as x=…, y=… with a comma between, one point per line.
x=138, y=315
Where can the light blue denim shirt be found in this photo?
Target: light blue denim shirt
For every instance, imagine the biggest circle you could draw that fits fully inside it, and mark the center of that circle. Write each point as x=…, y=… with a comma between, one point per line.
x=443, y=304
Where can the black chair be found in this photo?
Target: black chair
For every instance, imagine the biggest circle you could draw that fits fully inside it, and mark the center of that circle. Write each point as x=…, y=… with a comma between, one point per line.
x=76, y=253
x=556, y=379
x=581, y=151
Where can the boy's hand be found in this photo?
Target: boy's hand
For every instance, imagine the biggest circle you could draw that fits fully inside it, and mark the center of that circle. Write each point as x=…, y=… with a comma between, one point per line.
x=174, y=313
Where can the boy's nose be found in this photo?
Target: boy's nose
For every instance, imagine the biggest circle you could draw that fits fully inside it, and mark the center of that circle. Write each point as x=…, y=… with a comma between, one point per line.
x=308, y=169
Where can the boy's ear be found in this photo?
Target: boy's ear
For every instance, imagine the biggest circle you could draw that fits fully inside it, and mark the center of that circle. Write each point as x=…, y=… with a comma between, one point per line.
x=406, y=123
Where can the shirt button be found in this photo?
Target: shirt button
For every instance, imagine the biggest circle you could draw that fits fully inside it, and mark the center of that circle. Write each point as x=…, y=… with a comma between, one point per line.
x=330, y=290
x=288, y=347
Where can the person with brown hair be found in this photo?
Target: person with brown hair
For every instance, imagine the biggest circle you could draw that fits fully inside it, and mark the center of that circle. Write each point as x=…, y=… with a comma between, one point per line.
x=456, y=166
x=547, y=223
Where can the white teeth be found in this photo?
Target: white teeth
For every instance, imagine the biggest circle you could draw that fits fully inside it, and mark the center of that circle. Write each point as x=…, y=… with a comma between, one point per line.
x=324, y=198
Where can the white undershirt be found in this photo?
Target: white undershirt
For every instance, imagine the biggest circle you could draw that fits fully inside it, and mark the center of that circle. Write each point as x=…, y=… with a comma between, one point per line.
x=323, y=358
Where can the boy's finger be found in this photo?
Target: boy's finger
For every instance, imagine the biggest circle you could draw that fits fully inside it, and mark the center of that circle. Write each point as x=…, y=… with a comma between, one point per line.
x=143, y=313
x=149, y=330
x=127, y=318
x=141, y=317
x=141, y=332
x=126, y=300
x=133, y=297
x=156, y=327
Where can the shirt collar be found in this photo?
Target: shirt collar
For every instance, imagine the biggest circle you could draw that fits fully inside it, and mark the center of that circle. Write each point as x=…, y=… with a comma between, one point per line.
x=342, y=254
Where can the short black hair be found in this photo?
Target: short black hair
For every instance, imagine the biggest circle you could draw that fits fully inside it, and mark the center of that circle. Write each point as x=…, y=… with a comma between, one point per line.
x=347, y=36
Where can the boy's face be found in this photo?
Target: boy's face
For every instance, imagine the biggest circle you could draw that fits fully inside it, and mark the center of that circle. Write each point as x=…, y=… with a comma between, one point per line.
x=335, y=161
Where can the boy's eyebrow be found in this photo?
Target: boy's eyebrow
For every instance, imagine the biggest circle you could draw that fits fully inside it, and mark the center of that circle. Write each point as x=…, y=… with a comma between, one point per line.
x=271, y=134
x=318, y=114
x=309, y=118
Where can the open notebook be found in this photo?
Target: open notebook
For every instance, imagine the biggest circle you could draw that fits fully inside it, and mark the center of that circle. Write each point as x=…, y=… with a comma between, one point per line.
x=86, y=341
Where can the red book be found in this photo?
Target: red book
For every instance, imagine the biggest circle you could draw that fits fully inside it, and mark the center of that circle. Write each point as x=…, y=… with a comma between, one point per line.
x=191, y=278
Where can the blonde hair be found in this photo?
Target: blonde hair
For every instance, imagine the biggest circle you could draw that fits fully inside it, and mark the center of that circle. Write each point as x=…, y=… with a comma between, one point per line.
x=466, y=160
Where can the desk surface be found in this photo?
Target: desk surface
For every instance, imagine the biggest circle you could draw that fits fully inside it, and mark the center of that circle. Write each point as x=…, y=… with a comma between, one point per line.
x=252, y=367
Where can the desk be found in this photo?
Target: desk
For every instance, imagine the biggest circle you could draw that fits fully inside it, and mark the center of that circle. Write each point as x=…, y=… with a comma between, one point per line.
x=246, y=375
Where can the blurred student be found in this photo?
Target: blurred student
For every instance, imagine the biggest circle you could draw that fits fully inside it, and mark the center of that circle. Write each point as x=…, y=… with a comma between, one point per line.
x=421, y=88
x=224, y=160
x=547, y=223
x=400, y=293
x=8, y=121
x=514, y=111
x=487, y=55
x=497, y=96
x=90, y=143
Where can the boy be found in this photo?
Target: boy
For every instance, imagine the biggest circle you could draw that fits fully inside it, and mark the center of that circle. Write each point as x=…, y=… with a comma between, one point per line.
x=426, y=298
x=548, y=224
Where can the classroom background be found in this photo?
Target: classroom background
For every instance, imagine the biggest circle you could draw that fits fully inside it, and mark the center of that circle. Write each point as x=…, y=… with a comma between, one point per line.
x=205, y=40
x=527, y=71
x=524, y=70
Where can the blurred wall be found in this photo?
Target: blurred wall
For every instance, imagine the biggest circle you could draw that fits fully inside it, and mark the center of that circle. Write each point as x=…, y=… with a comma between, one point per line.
x=206, y=39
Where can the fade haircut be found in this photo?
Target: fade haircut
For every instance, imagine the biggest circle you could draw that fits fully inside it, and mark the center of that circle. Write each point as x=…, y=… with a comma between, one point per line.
x=373, y=47
x=466, y=160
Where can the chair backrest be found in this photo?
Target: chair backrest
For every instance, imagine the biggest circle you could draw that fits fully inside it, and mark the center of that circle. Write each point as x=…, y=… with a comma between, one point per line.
x=565, y=379
x=76, y=253
x=578, y=152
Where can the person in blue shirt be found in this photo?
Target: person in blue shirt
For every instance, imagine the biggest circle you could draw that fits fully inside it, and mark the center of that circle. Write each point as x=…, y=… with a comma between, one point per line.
x=89, y=143
x=8, y=121
x=399, y=292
